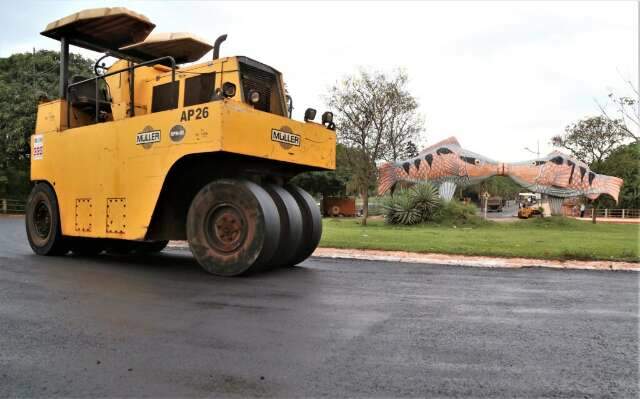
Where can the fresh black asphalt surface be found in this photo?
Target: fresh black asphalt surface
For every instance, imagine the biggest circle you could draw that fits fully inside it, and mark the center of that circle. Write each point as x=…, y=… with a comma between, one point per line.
x=160, y=327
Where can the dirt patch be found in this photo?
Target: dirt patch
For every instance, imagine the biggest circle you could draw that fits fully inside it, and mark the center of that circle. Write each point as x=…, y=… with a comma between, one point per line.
x=479, y=261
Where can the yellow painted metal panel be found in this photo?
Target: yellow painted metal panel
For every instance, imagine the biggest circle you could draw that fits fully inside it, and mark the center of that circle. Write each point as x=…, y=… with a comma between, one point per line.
x=103, y=161
x=250, y=132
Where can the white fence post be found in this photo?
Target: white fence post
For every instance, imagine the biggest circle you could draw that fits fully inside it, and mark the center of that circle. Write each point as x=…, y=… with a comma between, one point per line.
x=4, y=205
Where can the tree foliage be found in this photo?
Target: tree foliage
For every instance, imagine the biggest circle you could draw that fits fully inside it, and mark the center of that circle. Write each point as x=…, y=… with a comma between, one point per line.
x=332, y=183
x=500, y=186
x=376, y=116
x=626, y=108
x=624, y=162
x=26, y=78
x=600, y=142
x=592, y=139
x=410, y=150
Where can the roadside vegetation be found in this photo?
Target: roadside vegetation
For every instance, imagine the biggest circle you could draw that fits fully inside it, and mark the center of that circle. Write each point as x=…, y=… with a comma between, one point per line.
x=548, y=238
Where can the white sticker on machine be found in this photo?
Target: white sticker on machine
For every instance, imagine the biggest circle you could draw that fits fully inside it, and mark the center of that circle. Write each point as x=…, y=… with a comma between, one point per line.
x=38, y=146
x=285, y=137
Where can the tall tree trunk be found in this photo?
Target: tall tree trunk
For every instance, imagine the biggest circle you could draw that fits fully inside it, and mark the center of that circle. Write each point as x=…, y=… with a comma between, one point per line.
x=365, y=206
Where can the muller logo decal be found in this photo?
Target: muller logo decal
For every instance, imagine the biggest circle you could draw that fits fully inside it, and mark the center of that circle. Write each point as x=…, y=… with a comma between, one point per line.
x=285, y=137
x=147, y=137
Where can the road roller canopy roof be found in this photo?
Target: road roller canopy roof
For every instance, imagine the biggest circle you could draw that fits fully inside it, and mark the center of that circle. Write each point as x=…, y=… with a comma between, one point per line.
x=101, y=29
x=183, y=47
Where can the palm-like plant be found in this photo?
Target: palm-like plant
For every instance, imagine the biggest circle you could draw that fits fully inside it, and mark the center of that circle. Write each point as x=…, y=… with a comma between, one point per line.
x=426, y=199
x=412, y=206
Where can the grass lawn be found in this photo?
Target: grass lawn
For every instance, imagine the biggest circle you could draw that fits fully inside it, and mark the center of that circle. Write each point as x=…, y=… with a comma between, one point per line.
x=549, y=238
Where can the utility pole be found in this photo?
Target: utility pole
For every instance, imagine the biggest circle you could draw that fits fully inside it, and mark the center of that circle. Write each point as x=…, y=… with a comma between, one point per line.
x=537, y=152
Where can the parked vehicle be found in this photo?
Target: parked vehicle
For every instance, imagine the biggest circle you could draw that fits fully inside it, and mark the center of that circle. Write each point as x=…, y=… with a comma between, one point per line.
x=339, y=206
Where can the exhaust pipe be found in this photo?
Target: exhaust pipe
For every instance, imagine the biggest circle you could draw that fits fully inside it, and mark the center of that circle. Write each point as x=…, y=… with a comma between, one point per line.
x=216, y=46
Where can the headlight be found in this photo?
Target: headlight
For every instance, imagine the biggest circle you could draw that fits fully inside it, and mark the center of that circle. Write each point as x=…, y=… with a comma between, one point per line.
x=327, y=120
x=309, y=114
x=228, y=89
x=254, y=97
x=327, y=117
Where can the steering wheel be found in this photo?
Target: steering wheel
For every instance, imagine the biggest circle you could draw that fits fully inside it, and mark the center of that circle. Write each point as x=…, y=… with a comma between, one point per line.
x=99, y=68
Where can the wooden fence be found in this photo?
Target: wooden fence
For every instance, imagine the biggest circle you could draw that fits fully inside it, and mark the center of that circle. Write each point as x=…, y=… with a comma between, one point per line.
x=9, y=206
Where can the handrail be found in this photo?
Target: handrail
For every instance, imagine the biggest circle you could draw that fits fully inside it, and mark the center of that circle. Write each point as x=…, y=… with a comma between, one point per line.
x=616, y=213
x=130, y=69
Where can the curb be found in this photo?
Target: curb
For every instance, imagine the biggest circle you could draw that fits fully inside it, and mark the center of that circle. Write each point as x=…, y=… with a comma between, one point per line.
x=458, y=260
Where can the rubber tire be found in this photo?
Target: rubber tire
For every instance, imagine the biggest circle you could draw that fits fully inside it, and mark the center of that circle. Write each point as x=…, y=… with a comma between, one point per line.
x=55, y=243
x=290, y=225
x=86, y=246
x=259, y=238
x=311, y=224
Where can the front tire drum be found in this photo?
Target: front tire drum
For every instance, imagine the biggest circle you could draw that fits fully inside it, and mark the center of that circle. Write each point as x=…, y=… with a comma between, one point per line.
x=290, y=225
x=311, y=223
x=233, y=227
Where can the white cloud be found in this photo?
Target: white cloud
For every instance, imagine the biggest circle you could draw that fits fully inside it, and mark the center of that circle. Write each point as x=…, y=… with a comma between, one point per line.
x=498, y=75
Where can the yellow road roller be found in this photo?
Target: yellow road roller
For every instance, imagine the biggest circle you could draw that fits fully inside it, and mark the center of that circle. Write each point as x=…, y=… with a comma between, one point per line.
x=158, y=146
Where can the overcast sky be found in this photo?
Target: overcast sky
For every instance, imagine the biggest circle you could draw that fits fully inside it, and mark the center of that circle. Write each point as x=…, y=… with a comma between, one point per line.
x=498, y=75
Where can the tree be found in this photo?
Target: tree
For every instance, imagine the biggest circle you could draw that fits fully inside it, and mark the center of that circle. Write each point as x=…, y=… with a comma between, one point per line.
x=24, y=79
x=372, y=109
x=327, y=183
x=630, y=118
x=404, y=122
x=500, y=186
x=410, y=150
x=628, y=110
x=592, y=139
x=624, y=162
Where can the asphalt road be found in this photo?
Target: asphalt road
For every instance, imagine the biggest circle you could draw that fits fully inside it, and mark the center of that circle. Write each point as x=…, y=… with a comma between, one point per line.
x=509, y=211
x=160, y=327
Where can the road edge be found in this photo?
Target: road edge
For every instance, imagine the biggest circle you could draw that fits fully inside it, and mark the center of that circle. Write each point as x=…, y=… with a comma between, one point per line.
x=457, y=260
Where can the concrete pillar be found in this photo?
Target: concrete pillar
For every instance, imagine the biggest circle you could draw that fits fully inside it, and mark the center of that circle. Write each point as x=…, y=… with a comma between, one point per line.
x=4, y=205
x=556, y=205
x=446, y=190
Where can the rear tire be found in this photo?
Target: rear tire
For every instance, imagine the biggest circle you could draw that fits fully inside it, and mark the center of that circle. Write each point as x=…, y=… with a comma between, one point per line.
x=42, y=222
x=311, y=224
x=233, y=227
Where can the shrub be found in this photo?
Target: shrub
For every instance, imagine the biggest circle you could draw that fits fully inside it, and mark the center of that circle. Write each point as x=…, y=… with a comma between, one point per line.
x=400, y=209
x=458, y=213
x=426, y=199
x=411, y=206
